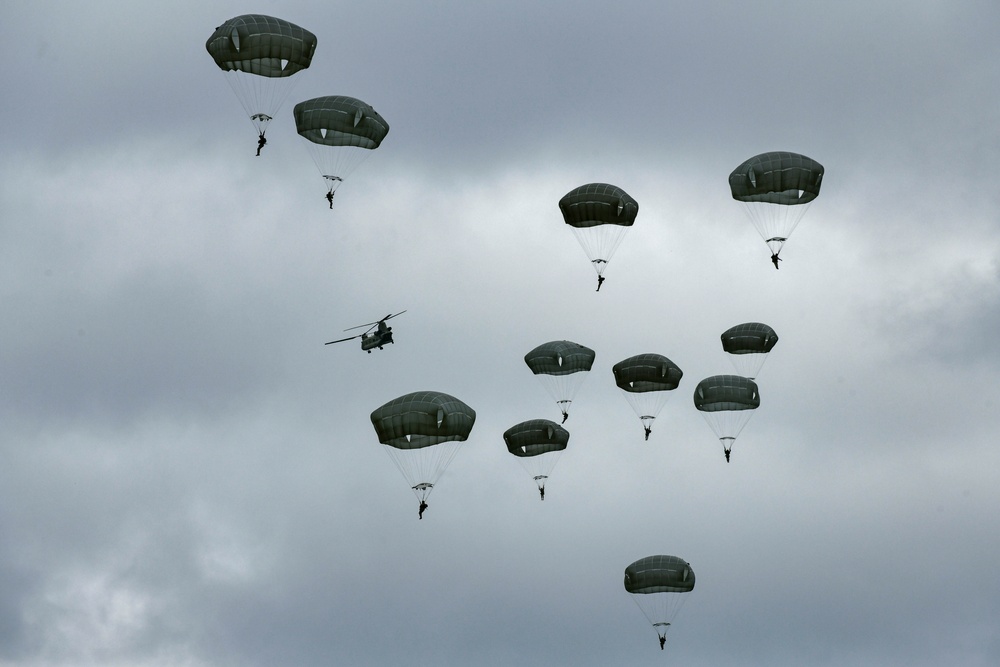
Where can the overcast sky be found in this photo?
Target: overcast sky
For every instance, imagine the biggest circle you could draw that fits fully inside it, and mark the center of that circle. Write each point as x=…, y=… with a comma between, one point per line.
x=188, y=476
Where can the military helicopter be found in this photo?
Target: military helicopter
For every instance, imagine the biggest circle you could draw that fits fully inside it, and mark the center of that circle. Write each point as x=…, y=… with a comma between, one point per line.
x=382, y=335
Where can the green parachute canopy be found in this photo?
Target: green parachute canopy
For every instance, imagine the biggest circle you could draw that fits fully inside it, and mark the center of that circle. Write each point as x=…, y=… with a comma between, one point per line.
x=599, y=215
x=647, y=372
x=748, y=345
x=725, y=393
x=341, y=131
x=646, y=381
x=776, y=189
x=259, y=53
x=560, y=357
x=560, y=365
x=727, y=402
x=658, y=585
x=261, y=45
x=596, y=204
x=659, y=574
x=338, y=120
x=422, y=419
x=537, y=443
x=421, y=432
x=535, y=437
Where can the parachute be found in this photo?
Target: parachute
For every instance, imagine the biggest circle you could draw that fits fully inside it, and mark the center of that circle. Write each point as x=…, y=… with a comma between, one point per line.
x=599, y=214
x=748, y=345
x=728, y=402
x=658, y=585
x=645, y=381
x=421, y=432
x=536, y=444
x=342, y=132
x=259, y=54
x=560, y=366
x=776, y=189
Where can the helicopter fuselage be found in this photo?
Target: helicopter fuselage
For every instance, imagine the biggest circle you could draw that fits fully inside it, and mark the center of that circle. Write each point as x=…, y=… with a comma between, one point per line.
x=376, y=339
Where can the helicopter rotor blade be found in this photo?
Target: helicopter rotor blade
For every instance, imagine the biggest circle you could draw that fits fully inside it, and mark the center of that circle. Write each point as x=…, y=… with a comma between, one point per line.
x=343, y=339
x=369, y=324
x=389, y=317
x=376, y=322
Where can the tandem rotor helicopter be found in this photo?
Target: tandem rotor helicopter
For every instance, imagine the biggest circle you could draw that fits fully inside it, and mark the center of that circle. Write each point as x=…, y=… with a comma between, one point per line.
x=382, y=335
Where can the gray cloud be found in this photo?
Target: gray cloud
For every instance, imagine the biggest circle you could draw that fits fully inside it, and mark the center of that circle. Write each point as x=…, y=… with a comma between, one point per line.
x=191, y=476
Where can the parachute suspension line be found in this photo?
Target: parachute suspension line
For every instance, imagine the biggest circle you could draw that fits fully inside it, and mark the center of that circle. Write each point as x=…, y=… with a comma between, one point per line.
x=775, y=222
x=248, y=95
x=423, y=490
x=335, y=163
x=647, y=405
x=422, y=467
x=748, y=365
x=540, y=482
x=728, y=423
x=660, y=609
x=333, y=182
x=540, y=467
x=600, y=242
x=562, y=389
x=261, y=97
